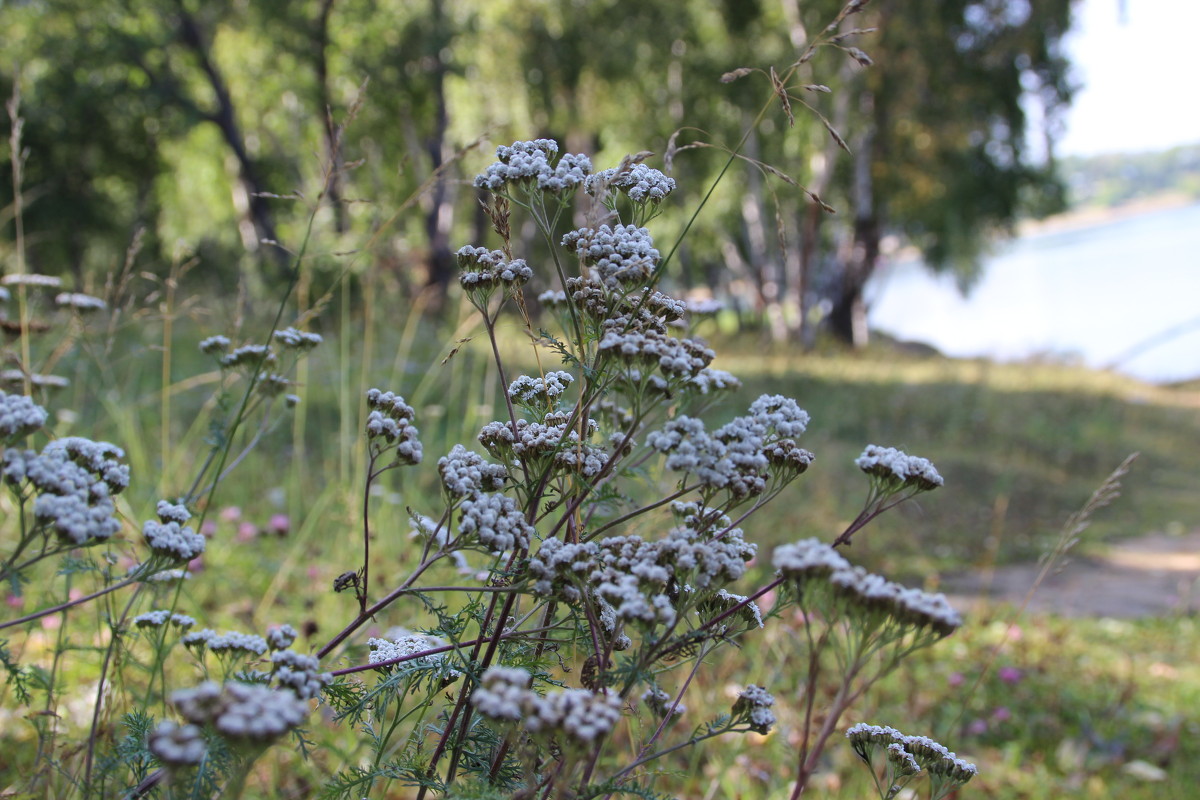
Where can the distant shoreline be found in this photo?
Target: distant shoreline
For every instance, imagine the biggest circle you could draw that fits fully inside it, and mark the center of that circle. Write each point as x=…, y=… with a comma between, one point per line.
x=1090, y=216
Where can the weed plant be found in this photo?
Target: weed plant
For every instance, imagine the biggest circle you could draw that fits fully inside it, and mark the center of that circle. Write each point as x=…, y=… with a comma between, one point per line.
x=557, y=664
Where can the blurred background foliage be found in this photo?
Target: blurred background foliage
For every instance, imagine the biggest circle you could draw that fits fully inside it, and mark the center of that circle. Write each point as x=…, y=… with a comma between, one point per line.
x=176, y=117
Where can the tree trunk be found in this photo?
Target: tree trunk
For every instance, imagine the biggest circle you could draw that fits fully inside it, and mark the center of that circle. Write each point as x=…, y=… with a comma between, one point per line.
x=848, y=318
x=225, y=118
x=333, y=154
x=440, y=213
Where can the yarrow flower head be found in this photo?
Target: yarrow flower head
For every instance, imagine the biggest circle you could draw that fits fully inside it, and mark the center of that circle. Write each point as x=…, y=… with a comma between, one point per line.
x=540, y=392
x=177, y=745
x=248, y=355
x=19, y=417
x=502, y=693
x=640, y=183
x=662, y=704
x=620, y=255
x=753, y=707
x=839, y=582
x=152, y=619
x=282, y=637
x=175, y=541
x=297, y=340
x=82, y=303
x=215, y=345
x=534, y=164
x=895, y=469
x=32, y=280
x=908, y=755
x=389, y=424
x=464, y=473
x=299, y=673
x=75, y=479
x=236, y=642
x=485, y=270
x=408, y=647
x=242, y=712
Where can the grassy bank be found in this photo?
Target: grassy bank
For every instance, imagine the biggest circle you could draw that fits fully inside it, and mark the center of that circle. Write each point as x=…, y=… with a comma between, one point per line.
x=1047, y=708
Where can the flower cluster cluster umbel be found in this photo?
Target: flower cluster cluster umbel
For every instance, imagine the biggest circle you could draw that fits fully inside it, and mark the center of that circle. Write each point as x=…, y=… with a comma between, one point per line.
x=611, y=513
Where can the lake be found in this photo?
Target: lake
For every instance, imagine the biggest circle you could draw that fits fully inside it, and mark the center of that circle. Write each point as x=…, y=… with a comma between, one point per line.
x=1111, y=294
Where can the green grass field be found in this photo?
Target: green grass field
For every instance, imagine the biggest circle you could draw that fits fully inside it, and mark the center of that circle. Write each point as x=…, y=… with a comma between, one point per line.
x=1047, y=707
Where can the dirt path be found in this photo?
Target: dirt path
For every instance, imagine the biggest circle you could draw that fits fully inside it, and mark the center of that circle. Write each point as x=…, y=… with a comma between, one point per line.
x=1154, y=574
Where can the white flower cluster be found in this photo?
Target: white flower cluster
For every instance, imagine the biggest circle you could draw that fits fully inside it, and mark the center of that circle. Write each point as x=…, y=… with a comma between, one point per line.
x=214, y=345
x=944, y=767
x=390, y=419
x=774, y=412
x=740, y=455
x=495, y=521
x=32, y=280
x=580, y=715
x=624, y=254
x=486, y=269
x=540, y=443
x=385, y=650
x=282, y=637
x=640, y=183
x=172, y=512
x=176, y=745
x=502, y=693
x=19, y=417
x=811, y=558
x=465, y=473
x=82, y=303
x=709, y=380
x=692, y=450
x=677, y=358
x=754, y=707
x=722, y=601
x=542, y=391
x=658, y=304
x=237, y=642
x=897, y=468
x=160, y=617
x=635, y=580
x=152, y=619
x=15, y=377
x=297, y=340
x=198, y=639
x=903, y=762
x=170, y=539
x=248, y=355
x=530, y=162
x=808, y=558
x=272, y=384
x=300, y=673
x=166, y=576
x=242, y=711
x=75, y=479
x=662, y=703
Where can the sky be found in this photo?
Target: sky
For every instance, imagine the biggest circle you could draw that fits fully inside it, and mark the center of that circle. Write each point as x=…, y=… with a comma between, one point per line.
x=1139, y=70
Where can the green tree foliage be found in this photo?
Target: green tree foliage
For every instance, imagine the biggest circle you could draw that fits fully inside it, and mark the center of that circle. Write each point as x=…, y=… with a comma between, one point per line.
x=942, y=134
x=178, y=116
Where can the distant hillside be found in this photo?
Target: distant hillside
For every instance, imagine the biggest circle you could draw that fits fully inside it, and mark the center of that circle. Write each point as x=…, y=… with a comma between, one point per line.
x=1111, y=180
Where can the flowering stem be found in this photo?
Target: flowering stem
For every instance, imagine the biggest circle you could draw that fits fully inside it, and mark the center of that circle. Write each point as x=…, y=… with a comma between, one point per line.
x=108, y=653
x=366, y=515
